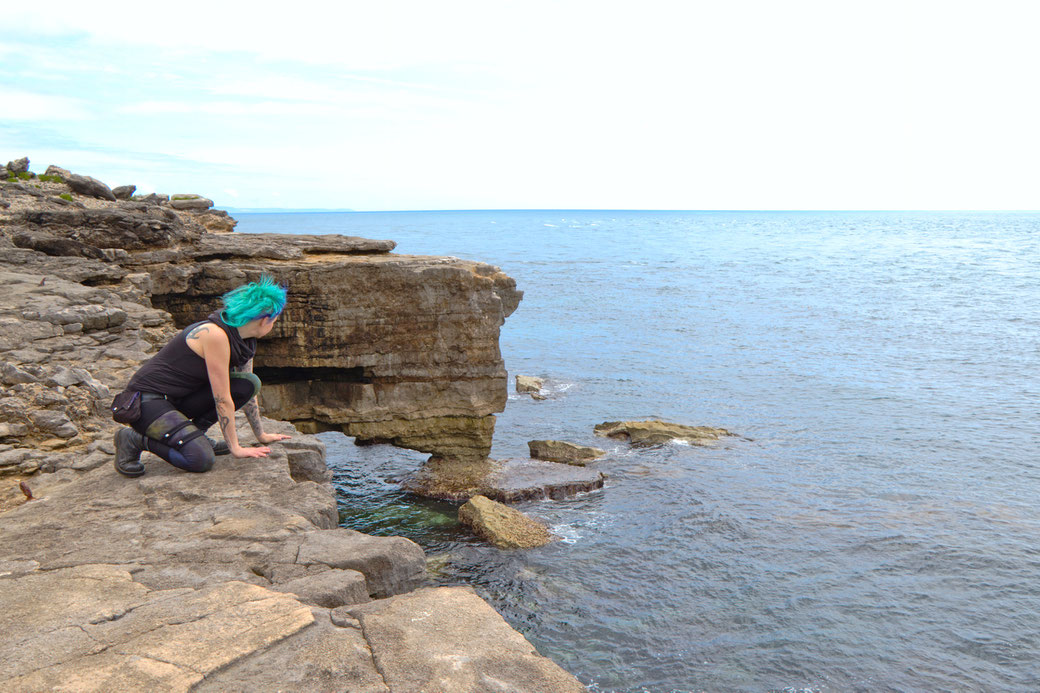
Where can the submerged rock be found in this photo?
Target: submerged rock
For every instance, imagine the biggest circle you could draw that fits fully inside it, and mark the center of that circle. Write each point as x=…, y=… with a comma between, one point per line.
x=654, y=432
x=506, y=481
x=562, y=451
x=528, y=383
x=505, y=527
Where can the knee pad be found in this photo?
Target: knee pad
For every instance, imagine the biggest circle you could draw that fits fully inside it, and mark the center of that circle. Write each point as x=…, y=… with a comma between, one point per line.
x=245, y=383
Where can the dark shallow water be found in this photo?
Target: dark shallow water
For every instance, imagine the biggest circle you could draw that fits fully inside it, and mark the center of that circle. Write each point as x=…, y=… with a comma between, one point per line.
x=876, y=526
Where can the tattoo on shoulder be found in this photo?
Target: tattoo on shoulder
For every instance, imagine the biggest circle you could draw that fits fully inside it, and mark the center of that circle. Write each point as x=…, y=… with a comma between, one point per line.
x=197, y=332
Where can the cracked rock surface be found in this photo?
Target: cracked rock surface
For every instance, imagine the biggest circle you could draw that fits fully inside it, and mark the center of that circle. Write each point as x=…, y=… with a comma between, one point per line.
x=237, y=579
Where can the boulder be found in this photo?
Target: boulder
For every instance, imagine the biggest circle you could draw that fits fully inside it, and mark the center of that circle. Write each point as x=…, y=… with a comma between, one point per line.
x=18, y=165
x=91, y=187
x=55, y=422
x=505, y=527
x=655, y=432
x=561, y=451
x=190, y=202
x=10, y=374
x=527, y=383
x=154, y=199
x=53, y=170
x=124, y=192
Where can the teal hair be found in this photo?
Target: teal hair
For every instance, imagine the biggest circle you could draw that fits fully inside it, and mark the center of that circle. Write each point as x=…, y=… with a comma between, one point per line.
x=259, y=299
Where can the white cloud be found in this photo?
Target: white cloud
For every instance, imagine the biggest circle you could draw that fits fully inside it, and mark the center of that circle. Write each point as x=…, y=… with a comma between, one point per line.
x=22, y=105
x=738, y=104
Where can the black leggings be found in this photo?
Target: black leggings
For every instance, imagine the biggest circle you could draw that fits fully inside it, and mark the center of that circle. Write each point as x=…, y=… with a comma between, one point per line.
x=175, y=429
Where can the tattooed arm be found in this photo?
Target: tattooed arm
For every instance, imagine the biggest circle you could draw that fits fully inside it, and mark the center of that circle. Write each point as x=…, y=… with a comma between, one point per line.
x=252, y=411
x=217, y=353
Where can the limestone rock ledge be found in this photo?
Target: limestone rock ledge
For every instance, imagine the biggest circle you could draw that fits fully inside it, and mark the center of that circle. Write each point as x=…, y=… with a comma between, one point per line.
x=386, y=348
x=234, y=580
x=231, y=579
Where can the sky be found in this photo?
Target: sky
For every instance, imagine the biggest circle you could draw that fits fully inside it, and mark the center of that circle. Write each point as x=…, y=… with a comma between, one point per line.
x=730, y=104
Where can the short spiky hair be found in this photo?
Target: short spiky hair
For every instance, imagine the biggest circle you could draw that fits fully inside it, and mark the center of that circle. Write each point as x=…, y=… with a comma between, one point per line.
x=259, y=299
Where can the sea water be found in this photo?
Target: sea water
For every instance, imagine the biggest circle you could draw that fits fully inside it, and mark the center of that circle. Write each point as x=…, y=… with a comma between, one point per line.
x=874, y=526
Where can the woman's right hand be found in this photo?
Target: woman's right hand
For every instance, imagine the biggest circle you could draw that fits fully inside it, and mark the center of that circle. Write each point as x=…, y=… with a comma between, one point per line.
x=250, y=452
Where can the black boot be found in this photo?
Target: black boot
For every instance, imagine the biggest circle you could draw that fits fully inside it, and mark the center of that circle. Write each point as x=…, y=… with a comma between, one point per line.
x=219, y=448
x=204, y=425
x=129, y=446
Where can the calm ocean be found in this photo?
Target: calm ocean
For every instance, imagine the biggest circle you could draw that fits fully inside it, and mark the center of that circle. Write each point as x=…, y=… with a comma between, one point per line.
x=877, y=525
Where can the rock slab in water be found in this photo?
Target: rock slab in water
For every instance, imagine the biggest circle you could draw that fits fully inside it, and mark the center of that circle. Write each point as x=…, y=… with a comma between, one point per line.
x=517, y=480
x=506, y=481
x=505, y=527
x=528, y=383
x=654, y=432
x=562, y=451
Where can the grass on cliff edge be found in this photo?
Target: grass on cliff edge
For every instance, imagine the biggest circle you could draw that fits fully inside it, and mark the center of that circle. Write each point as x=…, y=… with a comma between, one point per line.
x=29, y=175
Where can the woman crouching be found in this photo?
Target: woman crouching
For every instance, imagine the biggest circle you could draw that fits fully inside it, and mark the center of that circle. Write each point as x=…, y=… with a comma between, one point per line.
x=189, y=385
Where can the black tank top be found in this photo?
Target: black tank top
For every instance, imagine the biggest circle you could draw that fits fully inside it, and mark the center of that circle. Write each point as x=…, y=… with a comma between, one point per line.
x=177, y=371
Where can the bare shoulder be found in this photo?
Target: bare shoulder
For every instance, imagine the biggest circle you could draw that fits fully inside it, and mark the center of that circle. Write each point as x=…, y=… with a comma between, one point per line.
x=205, y=336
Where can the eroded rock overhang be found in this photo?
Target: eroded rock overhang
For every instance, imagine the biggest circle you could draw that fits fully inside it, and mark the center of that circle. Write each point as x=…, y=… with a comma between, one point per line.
x=388, y=348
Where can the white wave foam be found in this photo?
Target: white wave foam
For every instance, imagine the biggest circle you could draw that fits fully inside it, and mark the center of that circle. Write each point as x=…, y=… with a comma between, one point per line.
x=568, y=534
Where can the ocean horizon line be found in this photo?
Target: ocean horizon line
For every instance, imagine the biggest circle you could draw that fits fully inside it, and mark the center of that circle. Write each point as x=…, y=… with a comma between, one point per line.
x=286, y=210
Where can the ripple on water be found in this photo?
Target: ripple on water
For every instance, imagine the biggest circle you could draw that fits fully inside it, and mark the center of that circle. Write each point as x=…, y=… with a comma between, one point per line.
x=879, y=534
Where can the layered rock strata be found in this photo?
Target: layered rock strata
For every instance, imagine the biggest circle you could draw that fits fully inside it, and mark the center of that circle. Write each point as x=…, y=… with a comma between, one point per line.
x=386, y=348
x=237, y=579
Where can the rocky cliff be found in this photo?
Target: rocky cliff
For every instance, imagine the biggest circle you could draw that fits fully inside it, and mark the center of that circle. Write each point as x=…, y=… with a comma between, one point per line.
x=384, y=347
x=238, y=579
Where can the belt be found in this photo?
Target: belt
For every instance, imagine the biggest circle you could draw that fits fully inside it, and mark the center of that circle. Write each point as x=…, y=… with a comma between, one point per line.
x=149, y=396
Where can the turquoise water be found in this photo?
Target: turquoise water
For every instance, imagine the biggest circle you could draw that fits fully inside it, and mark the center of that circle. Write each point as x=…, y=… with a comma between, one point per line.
x=875, y=527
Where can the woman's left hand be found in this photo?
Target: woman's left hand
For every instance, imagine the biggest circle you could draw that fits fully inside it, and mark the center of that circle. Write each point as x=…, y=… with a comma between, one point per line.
x=266, y=438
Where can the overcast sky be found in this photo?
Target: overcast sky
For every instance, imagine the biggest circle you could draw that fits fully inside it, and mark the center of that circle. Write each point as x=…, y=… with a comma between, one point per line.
x=727, y=104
